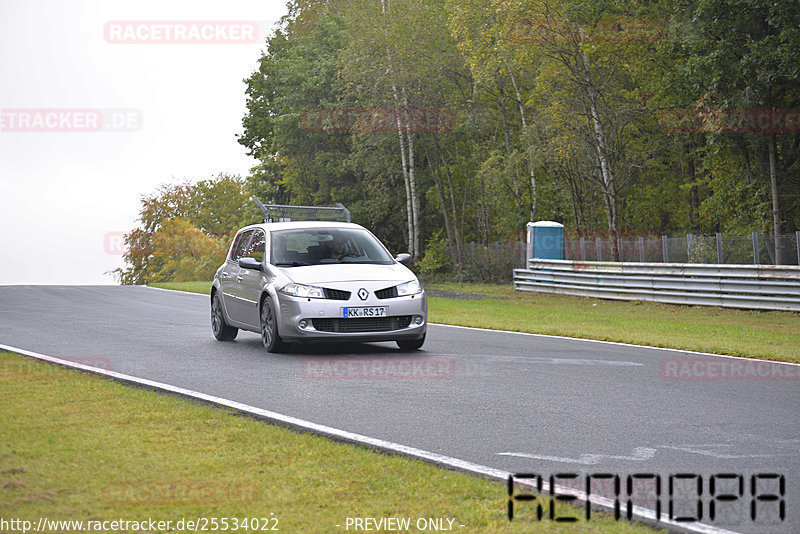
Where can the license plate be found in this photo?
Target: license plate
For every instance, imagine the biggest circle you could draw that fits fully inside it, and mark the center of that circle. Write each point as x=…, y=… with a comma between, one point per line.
x=371, y=311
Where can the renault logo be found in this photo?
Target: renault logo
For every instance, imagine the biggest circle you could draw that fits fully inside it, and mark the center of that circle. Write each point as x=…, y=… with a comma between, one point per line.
x=363, y=294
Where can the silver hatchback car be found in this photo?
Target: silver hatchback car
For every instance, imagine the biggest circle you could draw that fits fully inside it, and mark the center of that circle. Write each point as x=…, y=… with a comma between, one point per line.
x=316, y=281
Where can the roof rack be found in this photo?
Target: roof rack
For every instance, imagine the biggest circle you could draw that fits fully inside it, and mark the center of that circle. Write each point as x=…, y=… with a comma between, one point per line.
x=285, y=213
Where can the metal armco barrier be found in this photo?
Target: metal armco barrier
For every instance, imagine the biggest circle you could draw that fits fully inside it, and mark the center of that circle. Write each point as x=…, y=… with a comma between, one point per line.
x=765, y=287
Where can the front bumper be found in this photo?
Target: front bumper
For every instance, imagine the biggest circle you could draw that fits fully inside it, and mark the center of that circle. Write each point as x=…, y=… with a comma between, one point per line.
x=400, y=324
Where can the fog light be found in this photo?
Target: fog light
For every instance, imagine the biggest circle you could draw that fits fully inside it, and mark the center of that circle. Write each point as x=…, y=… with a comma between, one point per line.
x=303, y=324
x=418, y=319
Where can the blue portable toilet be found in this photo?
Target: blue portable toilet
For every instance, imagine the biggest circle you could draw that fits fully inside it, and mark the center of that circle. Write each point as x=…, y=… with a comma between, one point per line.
x=545, y=240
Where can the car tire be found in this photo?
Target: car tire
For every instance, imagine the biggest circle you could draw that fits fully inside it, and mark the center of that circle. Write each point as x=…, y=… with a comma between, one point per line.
x=410, y=344
x=269, y=328
x=222, y=331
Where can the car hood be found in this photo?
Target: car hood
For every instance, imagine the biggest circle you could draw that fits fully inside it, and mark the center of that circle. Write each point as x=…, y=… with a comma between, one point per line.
x=348, y=272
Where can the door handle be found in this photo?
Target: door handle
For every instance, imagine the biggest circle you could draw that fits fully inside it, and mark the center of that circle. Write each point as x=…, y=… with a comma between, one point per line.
x=239, y=278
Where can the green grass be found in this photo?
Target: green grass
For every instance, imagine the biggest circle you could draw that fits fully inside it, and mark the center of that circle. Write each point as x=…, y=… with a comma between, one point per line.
x=81, y=447
x=771, y=335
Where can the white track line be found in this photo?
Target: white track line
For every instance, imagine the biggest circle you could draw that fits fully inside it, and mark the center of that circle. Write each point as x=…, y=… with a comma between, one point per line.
x=682, y=351
x=642, y=514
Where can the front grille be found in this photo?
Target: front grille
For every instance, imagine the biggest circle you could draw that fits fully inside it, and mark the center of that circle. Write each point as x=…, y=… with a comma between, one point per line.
x=336, y=294
x=387, y=293
x=362, y=324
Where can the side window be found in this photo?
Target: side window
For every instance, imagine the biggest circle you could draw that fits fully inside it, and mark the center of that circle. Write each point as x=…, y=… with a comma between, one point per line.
x=256, y=247
x=239, y=244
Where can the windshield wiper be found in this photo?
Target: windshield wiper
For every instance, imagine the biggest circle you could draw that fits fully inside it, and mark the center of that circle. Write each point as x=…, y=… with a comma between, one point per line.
x=292, y=264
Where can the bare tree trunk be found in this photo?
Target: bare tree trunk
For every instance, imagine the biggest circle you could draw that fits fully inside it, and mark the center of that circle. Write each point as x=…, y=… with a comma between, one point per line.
x=502, y=101
x=776, y=206
x=410, y=191
x=485, y=230
x=611, y=215
x=459, y=212
x=412, y=180
x=694, y=202
x=412, y=187
x=576, y=198
x=437, y=179
x=406, y=181
x=601, y=151
x=456, y=231
x=452, y=197
x=531, y=167
x=445, y=211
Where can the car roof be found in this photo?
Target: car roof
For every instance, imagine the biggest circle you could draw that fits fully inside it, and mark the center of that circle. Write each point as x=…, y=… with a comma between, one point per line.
x=299, y=225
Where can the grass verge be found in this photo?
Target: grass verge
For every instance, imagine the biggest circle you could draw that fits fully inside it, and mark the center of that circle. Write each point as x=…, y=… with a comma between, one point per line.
x=771, y=335
x=81, y=447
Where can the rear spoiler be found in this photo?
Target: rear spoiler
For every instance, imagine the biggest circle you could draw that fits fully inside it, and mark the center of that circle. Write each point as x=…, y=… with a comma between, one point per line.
x=284, y=213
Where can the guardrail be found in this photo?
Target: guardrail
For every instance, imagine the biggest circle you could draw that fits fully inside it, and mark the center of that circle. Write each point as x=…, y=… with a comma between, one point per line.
x=764, y=287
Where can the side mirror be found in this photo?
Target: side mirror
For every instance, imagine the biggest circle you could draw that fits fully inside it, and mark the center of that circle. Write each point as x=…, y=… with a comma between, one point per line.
x=402, y=258
x=250, y=263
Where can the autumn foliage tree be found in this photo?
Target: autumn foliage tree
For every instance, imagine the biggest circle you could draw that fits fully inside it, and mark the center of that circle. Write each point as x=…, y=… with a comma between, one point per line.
x=185, y=230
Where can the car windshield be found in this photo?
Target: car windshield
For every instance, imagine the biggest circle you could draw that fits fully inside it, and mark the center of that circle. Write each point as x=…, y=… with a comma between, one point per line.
x=321, y=246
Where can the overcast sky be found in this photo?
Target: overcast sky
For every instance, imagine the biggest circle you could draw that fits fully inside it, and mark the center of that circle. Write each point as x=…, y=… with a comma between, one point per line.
x=168, y=112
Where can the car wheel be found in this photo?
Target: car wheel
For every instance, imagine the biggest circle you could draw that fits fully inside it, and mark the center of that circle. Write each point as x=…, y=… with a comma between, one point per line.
x=269, y=328
x=221, y=330
x=411, y=344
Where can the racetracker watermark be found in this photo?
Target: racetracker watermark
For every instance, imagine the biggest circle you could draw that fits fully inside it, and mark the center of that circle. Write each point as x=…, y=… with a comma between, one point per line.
x=193, y=524
x=181, y=31
x=559, y=31
x=28, y=369
x=70, y=120
x=185, y=492
x=726, y=369
x=377, y=368
x=378, y=120
x=114, y=243
x=731, y=121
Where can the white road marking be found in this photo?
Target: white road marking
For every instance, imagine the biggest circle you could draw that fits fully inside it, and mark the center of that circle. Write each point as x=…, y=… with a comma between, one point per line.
x=559, y=361
x=350, y=437
x=708, y=450
x=640, y=454
x=538, y=360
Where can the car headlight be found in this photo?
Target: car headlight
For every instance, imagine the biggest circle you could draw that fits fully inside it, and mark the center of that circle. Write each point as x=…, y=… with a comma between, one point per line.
x=409, y=288
x=300, y=290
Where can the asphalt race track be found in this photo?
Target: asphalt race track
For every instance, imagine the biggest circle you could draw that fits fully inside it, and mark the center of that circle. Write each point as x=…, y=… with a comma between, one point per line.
x=514, y=402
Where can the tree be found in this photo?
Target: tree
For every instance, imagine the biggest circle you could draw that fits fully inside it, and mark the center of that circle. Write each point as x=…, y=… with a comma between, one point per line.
x=399, y=61
x=183, y=253
x=485, y=30
x=185, y=230
x=743, y=56
x=547, y=109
